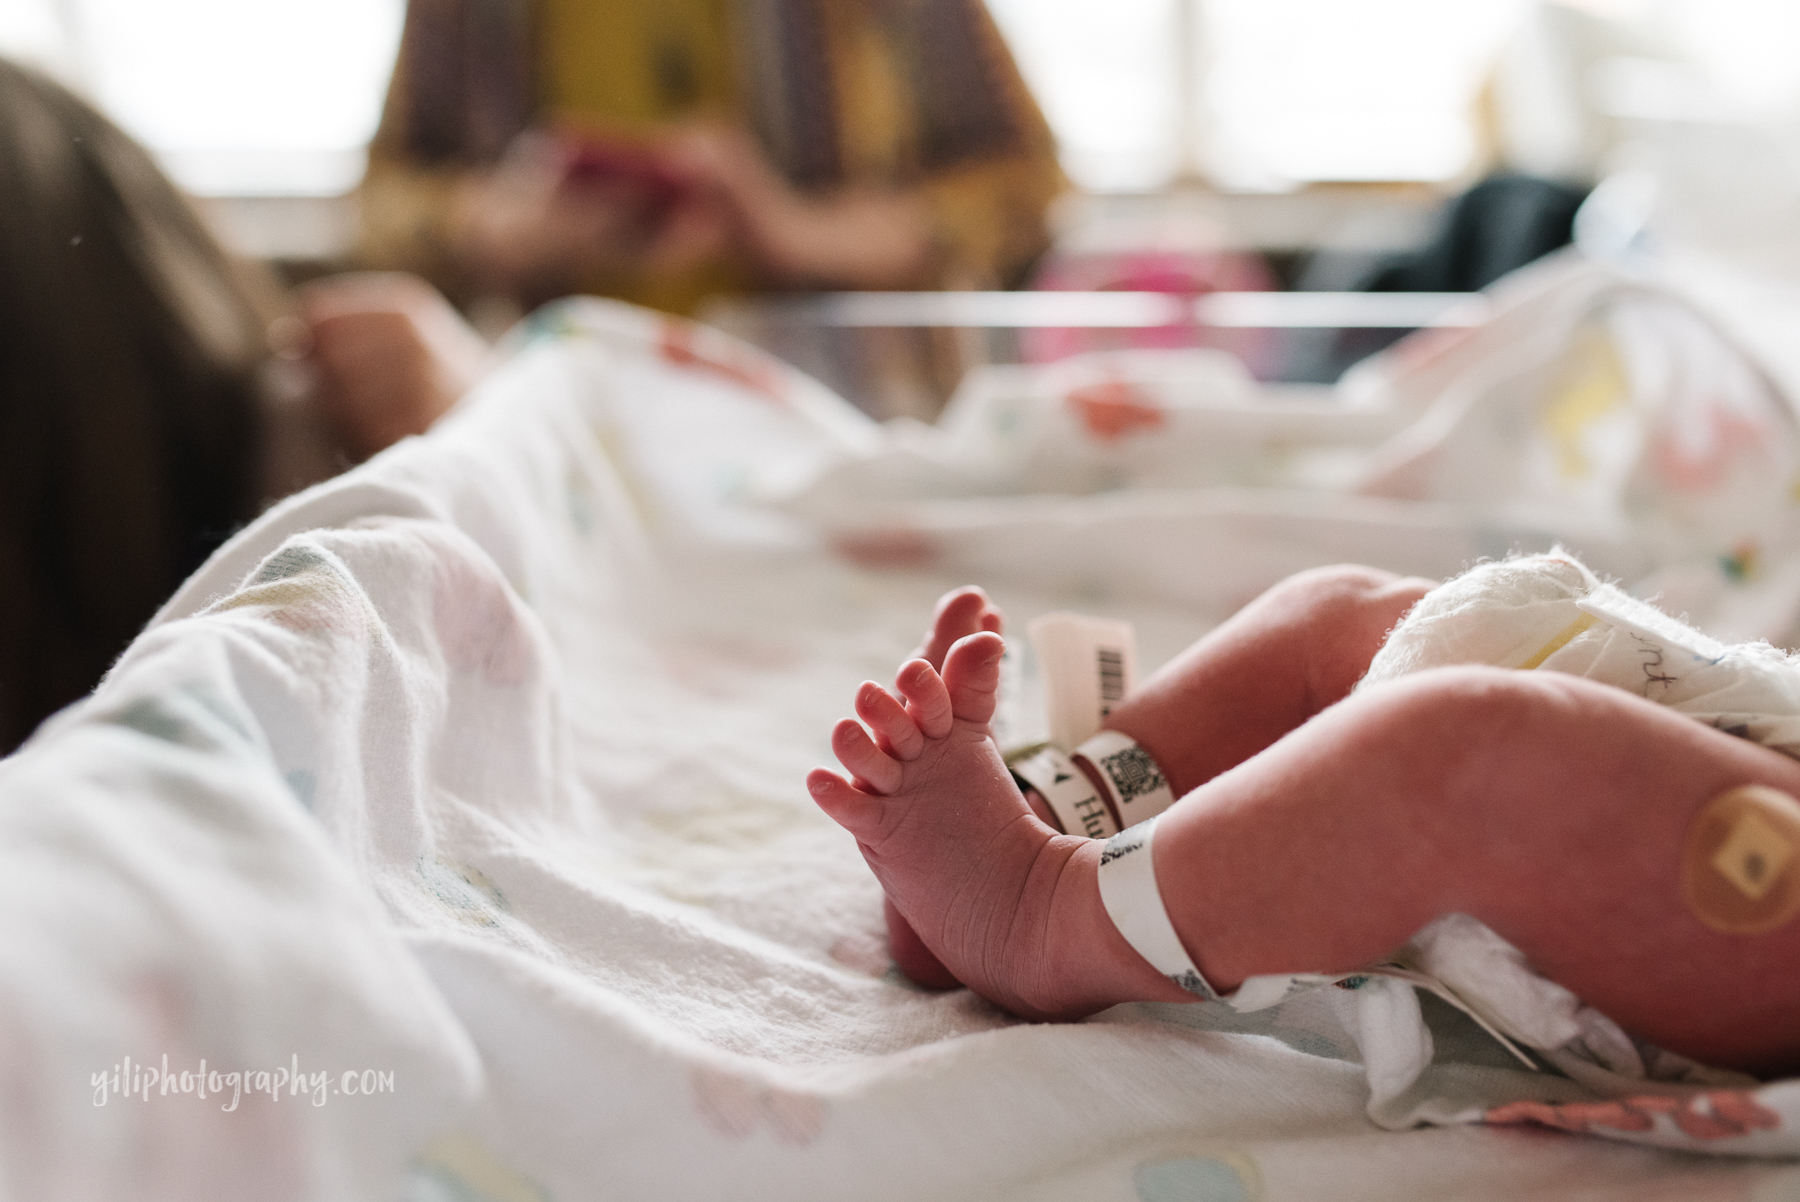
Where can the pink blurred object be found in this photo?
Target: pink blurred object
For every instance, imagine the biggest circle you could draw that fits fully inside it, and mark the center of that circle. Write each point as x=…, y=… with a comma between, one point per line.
x=1181, y=272
x=590, y=161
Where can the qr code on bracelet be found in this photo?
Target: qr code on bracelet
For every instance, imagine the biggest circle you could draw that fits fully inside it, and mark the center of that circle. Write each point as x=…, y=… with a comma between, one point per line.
x=1132, y=772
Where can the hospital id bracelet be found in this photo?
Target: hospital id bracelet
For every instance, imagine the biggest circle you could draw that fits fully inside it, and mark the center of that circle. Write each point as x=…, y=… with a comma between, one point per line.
x=1135, y=786
x=1070, y=794
x=1127, y=879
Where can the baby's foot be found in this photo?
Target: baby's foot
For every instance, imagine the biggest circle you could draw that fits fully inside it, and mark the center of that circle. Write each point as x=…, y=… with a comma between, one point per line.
x=1004, y=903
x=963, y=612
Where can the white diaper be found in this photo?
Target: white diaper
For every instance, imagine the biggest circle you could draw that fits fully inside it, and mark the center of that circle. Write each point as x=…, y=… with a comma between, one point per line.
x=1549, y=612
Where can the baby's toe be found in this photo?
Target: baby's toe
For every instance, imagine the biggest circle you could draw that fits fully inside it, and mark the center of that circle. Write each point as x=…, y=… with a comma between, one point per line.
x=842, y=802
x=895, y=731
x=972, y=676
x=927, y=701
x=959, y=608
x=862, y=759
x=958, y=613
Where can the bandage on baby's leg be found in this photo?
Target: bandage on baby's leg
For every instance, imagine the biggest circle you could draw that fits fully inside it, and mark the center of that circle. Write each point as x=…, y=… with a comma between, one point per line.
x=1128, y=890
x=1740, y=867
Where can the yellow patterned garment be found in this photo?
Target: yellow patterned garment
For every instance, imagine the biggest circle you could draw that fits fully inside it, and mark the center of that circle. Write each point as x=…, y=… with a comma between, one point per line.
x=890, y=94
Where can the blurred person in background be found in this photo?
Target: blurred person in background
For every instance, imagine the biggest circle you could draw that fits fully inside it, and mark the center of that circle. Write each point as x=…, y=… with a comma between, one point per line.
x=665, y=150
x=143, y=414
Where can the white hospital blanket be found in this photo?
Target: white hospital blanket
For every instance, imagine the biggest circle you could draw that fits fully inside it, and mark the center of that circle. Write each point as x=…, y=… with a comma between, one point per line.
x=480, y=767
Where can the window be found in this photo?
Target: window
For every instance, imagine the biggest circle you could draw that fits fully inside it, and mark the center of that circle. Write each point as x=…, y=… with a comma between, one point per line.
x=1257, y=93
x=1267, y=94
x=238, y=97
x=278, y=97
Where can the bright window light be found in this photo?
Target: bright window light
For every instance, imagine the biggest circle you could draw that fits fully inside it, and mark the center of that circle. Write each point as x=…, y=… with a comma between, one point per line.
x=1281, y=91
x=247, y=97
x=32, y=31
x=1106, y=75
x=1749, y=48
x=1301, y=90
x=239, y=97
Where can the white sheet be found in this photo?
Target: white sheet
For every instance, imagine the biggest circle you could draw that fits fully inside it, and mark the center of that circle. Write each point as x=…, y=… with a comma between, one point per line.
x=482, y=766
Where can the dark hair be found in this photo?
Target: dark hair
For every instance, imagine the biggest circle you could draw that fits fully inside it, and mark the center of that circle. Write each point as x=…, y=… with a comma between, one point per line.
x=130, y=347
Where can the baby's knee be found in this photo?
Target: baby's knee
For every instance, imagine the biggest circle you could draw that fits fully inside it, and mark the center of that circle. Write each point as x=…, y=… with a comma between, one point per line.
x=1344, y=613
x=1472, y=722
x=1349, y=595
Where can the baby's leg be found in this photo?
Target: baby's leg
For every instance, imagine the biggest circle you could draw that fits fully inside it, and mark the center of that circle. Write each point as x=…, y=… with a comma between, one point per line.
x=1551, y=808
x=1296, y=649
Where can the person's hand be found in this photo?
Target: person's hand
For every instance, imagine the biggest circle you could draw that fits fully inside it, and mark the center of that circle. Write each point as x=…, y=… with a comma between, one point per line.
x=537, y=225
x=390, y=356
x=849, y=239
x=521, y=230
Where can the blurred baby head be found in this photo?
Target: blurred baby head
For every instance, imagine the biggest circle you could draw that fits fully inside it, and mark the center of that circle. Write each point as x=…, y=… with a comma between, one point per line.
x=130, y=346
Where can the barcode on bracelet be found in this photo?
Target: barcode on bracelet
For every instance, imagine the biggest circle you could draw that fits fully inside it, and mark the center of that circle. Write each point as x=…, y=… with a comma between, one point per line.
x=1112, y=678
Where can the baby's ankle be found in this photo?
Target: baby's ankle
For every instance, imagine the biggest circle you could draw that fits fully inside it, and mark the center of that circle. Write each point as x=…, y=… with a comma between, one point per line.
x=1091, y=964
